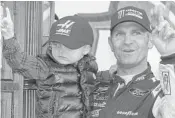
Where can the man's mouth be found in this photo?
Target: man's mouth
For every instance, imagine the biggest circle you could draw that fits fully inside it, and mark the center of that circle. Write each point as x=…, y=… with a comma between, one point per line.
x=128, y=50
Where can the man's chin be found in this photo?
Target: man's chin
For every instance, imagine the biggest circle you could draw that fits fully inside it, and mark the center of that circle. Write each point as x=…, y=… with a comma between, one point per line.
x=128, y=64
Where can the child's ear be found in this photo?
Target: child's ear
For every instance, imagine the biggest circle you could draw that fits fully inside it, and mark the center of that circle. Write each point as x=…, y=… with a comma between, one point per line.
x=86, y=49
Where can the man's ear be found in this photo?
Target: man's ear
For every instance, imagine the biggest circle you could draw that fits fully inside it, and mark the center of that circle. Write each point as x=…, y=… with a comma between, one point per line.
x=150, y=44
x=110, y=43
x=86, y=49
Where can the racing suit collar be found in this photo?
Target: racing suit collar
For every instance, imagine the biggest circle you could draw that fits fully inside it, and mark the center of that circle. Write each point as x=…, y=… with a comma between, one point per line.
x=146, y=74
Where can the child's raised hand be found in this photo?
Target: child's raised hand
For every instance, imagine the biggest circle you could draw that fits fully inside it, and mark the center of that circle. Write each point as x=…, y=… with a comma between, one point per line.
x=7, y=26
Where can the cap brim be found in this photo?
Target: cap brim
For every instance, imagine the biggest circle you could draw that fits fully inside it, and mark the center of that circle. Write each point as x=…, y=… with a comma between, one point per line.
x=69, y=43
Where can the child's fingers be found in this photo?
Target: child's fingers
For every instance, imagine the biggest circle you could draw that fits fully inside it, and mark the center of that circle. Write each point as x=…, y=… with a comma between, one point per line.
x=3, y=30
x=8, y=14
x=1, y=13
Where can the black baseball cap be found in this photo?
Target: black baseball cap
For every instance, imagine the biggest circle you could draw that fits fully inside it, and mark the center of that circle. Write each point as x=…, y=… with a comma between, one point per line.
x=131, y=14
x=72, y=31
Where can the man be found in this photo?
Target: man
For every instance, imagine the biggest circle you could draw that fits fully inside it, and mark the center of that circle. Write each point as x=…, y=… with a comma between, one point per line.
x=132, y=91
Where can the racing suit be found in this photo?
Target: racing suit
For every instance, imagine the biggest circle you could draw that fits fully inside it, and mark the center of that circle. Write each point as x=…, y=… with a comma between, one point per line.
x=62, y=90
x=143, y=97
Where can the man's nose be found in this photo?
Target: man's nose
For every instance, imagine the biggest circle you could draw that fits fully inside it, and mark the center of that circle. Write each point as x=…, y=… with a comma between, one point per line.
x=127, y=39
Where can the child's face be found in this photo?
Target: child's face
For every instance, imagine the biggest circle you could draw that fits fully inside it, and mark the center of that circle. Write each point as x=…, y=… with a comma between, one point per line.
x=65, y=55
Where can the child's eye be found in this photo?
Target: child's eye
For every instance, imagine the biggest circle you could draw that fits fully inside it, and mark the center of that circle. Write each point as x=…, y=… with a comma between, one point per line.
x=55, y=44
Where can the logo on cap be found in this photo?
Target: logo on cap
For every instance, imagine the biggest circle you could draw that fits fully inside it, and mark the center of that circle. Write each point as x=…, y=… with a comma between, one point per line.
x=129, y=12
x=65, y=28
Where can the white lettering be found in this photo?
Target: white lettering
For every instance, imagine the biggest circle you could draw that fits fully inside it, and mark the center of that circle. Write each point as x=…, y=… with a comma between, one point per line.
x=102, y=89
x=63, y=32
x=127, y=113
x=121, y=14
x=95, y=113
x=97, y=97
x=67, y=24
x=133, y=14
x=100, y=104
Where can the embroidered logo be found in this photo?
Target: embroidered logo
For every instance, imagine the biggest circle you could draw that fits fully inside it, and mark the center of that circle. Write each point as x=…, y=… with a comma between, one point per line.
x=102, y=104
x=100, y=97
x=138, y=92
x=127, y=113
x=166, y=83
x=156, y=90
x=140, y=78
x=95, y=113
x=129, y=12
x=65, y=28
x=102, y=89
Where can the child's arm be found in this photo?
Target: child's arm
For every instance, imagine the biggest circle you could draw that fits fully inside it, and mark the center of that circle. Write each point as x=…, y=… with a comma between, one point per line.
x=29, y=66
x=88, y=69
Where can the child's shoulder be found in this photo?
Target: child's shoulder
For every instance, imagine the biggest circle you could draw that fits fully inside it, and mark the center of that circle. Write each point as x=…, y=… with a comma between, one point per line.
x=88, y=63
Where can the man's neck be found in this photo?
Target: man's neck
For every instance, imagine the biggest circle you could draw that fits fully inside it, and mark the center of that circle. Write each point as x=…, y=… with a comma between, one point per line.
x=131, y=70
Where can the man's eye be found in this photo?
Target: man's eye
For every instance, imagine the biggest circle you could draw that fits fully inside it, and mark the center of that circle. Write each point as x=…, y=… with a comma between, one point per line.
x=118, y=34
x=136, y=33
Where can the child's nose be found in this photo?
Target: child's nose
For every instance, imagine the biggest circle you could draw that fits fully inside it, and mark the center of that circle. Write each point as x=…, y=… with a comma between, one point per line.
x=60, y=52
x=59, y=45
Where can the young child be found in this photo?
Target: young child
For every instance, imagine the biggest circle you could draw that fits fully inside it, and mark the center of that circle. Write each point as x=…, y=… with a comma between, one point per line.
x=62, y=74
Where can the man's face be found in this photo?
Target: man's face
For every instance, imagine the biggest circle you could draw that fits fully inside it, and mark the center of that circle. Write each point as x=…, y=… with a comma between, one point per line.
x=65, y=55
x=130, y=43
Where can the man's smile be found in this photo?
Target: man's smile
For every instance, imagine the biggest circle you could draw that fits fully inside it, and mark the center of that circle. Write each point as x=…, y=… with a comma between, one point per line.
x=128, y=50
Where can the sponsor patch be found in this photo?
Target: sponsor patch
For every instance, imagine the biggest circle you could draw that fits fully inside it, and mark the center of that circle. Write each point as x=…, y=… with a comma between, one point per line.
x=166, y=83
x=138, y=92
x=101, y=105
x=156, y=90
x=129, y=12
x=127, y=113
x=102, y=89
x=65, y=28
x=100, y=97
x=140, y=78
x=95, y=113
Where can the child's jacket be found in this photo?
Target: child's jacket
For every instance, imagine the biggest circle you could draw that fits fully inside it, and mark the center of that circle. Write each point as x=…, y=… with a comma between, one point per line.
x=62, y=90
